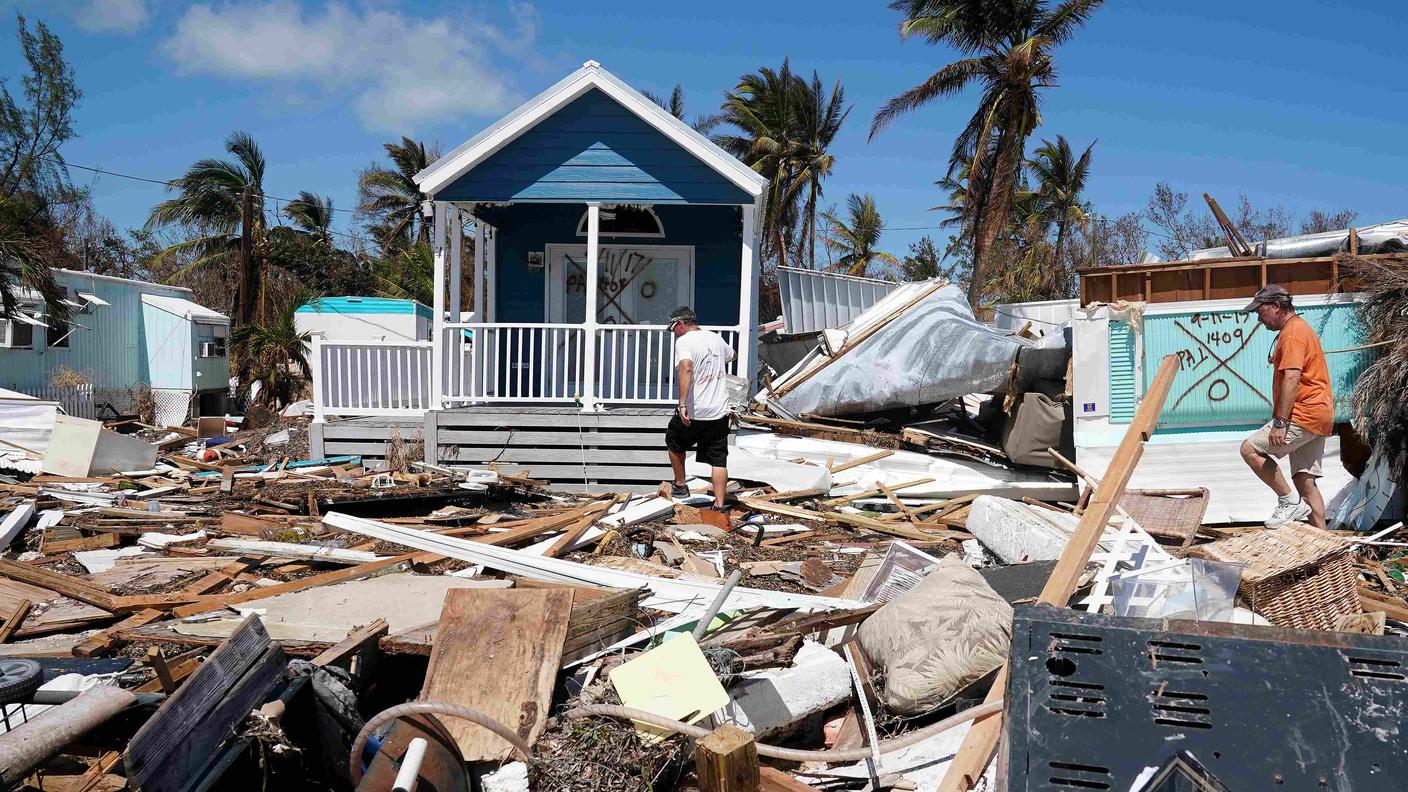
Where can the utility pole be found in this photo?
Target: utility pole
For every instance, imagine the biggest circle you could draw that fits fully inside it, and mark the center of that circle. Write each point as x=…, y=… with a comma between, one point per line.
x=248, y=283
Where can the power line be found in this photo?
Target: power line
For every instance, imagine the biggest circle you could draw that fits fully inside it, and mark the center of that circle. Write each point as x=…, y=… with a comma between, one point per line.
x=175, y=182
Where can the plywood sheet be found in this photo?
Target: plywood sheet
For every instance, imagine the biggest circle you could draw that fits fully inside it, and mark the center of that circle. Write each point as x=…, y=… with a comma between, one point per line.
x=499, y=652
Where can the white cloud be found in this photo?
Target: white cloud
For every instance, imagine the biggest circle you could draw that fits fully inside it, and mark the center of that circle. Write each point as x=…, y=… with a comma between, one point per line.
x=396, y=70
x=110, y=16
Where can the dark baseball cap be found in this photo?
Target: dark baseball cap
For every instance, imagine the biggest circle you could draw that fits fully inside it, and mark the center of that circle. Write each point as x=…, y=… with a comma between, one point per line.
x=683, y=315
x=1270, y=293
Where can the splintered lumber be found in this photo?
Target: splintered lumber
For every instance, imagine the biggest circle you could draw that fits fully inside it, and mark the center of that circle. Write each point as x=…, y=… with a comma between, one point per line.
x=96, y=772
x=978, y=745
x=30, y=744
x=305, y=552
x=726, y=760
x=176, y=746
x=248, y=524
x=865, y=460
x=14, y=620
x=67, y=585
x=1374, y=601
x=355, y=641
x=774, y=780
x=100, y=541
x=534, y=528
x=874, y=492
x=498, y=651
x=108, y=639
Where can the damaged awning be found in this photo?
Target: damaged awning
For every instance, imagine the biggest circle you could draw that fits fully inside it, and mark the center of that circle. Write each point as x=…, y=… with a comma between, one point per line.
x=918, y=345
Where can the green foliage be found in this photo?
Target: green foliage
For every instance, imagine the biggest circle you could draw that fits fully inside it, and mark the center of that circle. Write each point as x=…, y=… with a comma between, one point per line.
x=392, y=197
x=273, y=353
x=856, y=237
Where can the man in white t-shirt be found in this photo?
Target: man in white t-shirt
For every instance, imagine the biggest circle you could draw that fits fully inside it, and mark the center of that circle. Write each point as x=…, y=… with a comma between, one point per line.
x=700, y=422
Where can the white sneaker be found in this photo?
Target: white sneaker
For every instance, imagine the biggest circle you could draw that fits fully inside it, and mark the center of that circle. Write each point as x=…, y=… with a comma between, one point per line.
x=1288, y=513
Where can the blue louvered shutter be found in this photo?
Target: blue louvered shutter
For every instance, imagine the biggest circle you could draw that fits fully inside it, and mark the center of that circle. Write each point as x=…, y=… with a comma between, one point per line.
x=1122, y=390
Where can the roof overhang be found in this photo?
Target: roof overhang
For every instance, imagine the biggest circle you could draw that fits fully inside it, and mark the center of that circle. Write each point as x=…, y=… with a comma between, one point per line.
x=450, y=167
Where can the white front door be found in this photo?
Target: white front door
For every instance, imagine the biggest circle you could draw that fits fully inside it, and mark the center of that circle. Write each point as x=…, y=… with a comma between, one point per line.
x=638, y=284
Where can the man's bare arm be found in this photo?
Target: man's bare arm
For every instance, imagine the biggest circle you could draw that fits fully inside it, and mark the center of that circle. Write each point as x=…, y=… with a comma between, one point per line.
x=1284, y=398
x=685, y=378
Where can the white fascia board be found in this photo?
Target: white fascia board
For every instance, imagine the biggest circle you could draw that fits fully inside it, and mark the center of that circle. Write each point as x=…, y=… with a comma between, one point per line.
x=458, y=162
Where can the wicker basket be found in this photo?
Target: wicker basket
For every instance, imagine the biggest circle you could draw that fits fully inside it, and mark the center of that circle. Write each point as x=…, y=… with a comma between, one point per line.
x=1171, y=515
x=1295, y=576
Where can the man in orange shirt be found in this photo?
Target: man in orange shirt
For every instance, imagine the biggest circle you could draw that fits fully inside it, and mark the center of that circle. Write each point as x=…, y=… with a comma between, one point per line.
x=1302, y=412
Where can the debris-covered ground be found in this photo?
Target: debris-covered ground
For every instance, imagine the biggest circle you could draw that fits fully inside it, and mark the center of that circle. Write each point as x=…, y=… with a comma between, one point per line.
x=253, y=610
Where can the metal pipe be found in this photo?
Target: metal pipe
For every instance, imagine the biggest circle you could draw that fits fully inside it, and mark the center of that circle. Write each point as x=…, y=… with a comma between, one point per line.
x=29, y=745
x=410, y=766
x=718, y=604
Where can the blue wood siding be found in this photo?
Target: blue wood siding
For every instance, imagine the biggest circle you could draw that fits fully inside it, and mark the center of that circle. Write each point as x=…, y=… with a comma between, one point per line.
x=594, y=149
x=715, y=232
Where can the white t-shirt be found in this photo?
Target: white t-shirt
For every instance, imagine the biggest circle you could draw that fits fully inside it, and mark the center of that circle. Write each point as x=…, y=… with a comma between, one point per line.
x=708, y=397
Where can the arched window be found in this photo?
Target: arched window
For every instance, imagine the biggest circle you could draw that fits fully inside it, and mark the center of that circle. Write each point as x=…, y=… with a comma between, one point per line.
x=625, y=221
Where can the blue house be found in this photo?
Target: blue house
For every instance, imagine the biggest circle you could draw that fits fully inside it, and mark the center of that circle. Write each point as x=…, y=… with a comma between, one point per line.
x=594, y=213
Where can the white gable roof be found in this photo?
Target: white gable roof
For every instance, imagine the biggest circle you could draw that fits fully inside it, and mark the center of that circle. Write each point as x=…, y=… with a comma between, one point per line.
x=458, y=162
x=185, y=309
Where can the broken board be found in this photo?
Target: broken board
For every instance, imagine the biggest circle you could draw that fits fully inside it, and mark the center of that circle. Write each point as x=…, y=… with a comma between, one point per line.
x=498, y=652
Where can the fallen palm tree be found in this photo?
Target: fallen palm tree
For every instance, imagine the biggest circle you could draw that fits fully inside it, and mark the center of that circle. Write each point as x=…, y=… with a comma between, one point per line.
x=1379, y=393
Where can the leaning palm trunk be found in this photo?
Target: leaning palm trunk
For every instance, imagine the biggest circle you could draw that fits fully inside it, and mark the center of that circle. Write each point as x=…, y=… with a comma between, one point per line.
x=997, y=210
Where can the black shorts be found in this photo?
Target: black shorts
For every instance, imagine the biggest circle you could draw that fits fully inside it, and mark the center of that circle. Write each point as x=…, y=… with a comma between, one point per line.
x=709, y=437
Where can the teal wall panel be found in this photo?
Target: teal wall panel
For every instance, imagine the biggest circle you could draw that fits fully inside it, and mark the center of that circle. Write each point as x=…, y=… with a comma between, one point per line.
x=1224, y=373
x=1122, y=386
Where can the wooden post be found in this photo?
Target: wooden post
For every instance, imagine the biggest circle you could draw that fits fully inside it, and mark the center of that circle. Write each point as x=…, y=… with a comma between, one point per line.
x=747, y=299
x=589, y=314
x=437, y=359
x=726, y=760
x=456, y=256
x=972, y=758
x=479, y=253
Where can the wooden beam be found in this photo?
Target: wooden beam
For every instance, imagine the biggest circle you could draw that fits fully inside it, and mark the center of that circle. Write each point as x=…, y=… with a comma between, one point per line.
x=726, y=760
x=352, y=644
x=335, y=576
x=99, y=542
x=67, y=585
x=107, y=640
x=972, y=758
x=865, y=460
x=14, y=620
x=774, y=780
x=157, y=661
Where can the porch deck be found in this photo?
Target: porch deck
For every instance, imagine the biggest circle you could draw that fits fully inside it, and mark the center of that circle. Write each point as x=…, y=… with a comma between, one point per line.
x=621, y=449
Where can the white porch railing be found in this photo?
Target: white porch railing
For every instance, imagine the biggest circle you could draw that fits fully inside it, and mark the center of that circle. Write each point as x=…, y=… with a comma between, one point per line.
x=500, y=362
x=371, y=377
x=636, y=363
x=518, y=362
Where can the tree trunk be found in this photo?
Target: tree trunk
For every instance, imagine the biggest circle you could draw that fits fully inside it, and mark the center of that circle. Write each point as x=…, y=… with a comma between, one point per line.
x=1056, y=254
x=997, y=210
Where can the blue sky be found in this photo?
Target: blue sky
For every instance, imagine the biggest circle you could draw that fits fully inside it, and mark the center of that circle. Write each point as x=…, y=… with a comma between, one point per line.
x=1295, y=103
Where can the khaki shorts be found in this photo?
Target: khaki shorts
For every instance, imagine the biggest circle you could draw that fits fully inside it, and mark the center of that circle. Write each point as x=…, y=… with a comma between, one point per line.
x=1304, y=447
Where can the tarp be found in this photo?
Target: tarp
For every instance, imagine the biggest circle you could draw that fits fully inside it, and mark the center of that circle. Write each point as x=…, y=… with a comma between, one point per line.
x=931, y=352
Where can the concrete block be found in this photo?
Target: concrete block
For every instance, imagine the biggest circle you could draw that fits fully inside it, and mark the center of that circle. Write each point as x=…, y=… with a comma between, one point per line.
x=771, y=701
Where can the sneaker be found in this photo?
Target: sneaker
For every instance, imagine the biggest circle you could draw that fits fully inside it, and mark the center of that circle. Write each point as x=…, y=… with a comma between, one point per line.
x=1288, y=513
x=679, y=491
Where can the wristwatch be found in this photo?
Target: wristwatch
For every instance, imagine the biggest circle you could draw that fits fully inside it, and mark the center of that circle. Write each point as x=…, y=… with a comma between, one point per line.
x=1277, y=423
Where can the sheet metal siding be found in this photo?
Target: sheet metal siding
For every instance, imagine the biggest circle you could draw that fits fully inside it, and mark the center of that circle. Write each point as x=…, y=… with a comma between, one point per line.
x=715, y=232
x=166, y=345
x=1224, y=374
x=593, y=149
x=1122, y=390
x=813, y=301
x=109, y=349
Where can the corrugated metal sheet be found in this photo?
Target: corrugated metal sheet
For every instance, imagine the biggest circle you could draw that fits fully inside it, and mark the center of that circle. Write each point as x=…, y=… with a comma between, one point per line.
x=813, y=300
x=1122, y=391
x=1225, y=375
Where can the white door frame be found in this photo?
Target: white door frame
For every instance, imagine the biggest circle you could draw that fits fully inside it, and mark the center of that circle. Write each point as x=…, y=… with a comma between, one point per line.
x=552, y=274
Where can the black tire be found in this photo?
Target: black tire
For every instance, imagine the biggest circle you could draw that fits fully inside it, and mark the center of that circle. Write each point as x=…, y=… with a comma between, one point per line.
x=19, y=679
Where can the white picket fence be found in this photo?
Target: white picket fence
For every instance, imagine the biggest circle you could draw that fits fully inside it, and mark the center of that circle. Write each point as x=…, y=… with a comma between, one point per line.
x=371, y=377
x=76, y=400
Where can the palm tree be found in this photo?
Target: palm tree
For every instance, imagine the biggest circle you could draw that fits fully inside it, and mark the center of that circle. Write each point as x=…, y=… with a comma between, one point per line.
x=311, y=215
x=785, y=126
x=28, y=250
x=675, y=106
x=857, y=236
x=408, y=274
x=819, y=120
x=1009, y=46
x=392, y=196
x=208, y=201
x=273, y=353
x=1061, y=178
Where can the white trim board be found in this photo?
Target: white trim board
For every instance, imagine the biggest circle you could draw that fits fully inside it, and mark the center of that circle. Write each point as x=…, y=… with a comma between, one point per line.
x=452, y=166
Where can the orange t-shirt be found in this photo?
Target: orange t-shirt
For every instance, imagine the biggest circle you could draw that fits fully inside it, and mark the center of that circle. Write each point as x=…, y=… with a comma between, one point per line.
x=1297, y=347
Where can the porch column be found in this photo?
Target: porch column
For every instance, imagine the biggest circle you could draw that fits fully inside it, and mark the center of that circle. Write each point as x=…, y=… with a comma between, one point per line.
x=747, y=299
x=491, y=266
x=479, y=288
x=456, y=229
x=589, y=315
x=437, y=358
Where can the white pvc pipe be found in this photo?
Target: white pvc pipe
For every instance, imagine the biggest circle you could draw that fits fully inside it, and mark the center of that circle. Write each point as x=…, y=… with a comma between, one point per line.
x=410, y=766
